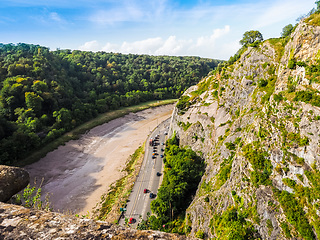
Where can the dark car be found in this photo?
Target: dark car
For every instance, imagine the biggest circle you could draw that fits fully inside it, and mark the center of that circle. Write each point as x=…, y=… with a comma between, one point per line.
x=161, y=156
x=158, y=174
x=152, y=195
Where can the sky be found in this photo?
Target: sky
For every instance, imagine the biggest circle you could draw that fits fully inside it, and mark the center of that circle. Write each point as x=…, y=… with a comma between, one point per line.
x=204, y=28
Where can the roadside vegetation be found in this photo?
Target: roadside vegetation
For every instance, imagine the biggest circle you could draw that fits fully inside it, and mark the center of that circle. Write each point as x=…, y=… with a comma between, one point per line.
x=182, y=174
x=119, y=192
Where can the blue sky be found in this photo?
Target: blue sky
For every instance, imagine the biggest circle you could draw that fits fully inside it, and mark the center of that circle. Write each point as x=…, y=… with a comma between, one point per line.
x=164, y=27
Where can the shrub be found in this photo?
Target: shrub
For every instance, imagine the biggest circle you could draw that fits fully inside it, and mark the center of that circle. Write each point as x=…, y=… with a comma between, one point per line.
x=183, y=103
x=289, y=182
x=292, y=64
x=278, y=97
x=262, y=83
x=261, y=165
x=295, y=214
x=200, y=234
x=230, y=146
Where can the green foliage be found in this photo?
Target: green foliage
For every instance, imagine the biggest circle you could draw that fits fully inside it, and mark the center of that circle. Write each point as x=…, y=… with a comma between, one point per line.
x=292, y=63
x=250, y=37
x=295, y=214
x=278, y=97
x=268, y=86
x=231, y=224
x=279, y=45
x=287, y=30
x=230, y=145
x=289, y=182
x=285, y=228
x=224, y=171
x=269, y=226
x=185, y=126
x=296, y=138
x=200, y=234
x=314, y=19
x=261, y=165
x=182, y=174
x=308, y=97
x=72, y=87
x=183, y=103
x=116, y=190
x=262, y=83
x=31, y=198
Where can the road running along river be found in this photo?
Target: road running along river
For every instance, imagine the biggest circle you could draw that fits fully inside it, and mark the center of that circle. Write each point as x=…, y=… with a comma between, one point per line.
x=77, y=174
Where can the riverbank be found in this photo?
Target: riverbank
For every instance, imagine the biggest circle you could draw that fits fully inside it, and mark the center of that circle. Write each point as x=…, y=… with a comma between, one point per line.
x=77, y=174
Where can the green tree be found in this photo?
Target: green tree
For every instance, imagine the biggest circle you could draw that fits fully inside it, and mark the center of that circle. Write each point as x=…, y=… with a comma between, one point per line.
x=287, y=30
x=63, y=118
x=318, y=5
x=33, y=101
x=250, y=37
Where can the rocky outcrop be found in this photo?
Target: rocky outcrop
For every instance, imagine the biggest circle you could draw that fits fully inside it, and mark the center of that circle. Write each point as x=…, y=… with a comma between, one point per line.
x=12, y=180
x=246, y=115
x=17, y=222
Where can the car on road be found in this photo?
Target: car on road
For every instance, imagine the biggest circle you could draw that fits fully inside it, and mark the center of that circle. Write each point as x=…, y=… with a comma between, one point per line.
x=158, y=174
x=145, y=190
x=161, y=156
x=152, y=195
x=131, y=220
x=162, y=149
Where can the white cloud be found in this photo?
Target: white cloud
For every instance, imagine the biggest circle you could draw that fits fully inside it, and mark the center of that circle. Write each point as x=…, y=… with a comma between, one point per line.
x=55, y=17
x=90, y=46
x=206, y=46
x=217, y=33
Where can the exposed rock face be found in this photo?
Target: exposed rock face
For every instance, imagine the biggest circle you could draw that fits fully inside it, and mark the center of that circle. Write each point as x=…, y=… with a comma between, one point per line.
x=12, y=180
x=17, y=222
x=240, y=107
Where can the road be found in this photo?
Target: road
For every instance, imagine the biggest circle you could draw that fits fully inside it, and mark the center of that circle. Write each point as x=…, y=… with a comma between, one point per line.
x=139, y=202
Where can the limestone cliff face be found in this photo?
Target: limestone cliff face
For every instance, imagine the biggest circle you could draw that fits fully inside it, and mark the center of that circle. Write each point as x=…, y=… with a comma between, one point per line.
x=257, y=127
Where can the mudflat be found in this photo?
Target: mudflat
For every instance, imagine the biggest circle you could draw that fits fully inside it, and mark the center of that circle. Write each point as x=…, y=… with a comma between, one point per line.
x=77, y=174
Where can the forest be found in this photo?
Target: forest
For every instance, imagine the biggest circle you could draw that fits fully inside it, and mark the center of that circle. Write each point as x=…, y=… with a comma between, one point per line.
x=44, y=93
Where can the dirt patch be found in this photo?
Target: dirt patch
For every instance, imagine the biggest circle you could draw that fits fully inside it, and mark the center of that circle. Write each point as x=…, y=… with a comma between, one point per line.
x=77, y=174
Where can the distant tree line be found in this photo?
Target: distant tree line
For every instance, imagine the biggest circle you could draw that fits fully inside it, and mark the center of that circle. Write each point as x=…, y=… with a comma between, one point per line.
x=46, y=93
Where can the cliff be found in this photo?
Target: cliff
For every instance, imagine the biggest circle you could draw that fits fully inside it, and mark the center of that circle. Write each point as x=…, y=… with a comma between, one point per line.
x=256, y=123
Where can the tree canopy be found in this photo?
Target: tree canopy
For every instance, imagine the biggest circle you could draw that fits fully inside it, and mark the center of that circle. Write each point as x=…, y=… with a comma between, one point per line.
x=250, y=37
x=287, y=30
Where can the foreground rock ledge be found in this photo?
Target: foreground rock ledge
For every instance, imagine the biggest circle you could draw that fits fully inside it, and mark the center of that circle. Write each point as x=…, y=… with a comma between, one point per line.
x=12, y=180
x=17, y=222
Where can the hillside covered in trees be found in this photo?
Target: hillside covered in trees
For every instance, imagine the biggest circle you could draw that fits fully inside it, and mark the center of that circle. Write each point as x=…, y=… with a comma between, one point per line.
x=46, y=93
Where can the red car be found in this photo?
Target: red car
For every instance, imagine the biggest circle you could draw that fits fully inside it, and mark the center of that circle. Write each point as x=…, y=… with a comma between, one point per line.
x=145, y=190
x=131, y=220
